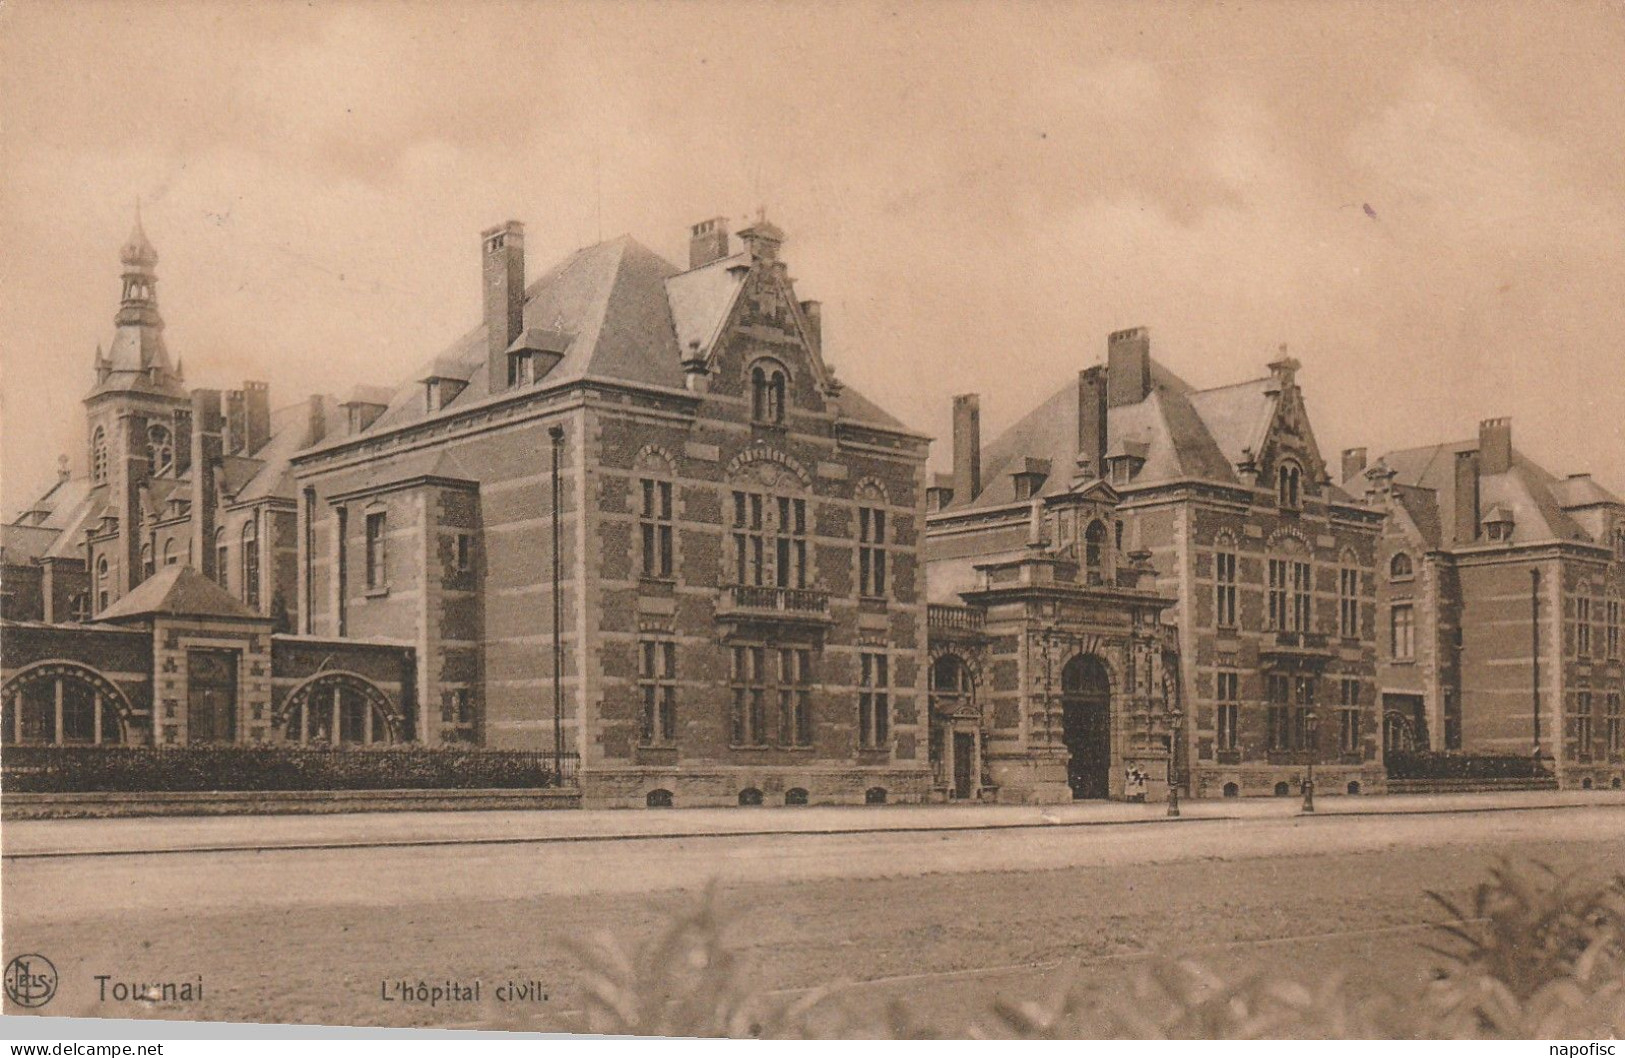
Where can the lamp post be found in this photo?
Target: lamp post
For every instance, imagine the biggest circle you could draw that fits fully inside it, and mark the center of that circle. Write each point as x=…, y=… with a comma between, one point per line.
x=1175, y=717
x=1312, y=721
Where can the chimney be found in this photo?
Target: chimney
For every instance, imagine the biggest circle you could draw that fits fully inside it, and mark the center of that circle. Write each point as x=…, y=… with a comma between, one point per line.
x=256, y=416
x=1467, y=470
x=1495, y=446
x=504, y=284
x=1128, y=366
x=206, y=452
x=814, y=312
x=1092, y=384
x=1353, y=462
x=707, y=242
x=315, y=420
x=967, y=447
x=236, y=429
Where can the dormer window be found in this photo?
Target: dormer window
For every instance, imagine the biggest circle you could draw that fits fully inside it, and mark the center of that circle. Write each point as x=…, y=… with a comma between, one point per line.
x=522, y=369
x=1498, y=524
x=767, y=389
x=1094, y=550
x=1288, y=484
x=1029, y=479
x=1124, y=460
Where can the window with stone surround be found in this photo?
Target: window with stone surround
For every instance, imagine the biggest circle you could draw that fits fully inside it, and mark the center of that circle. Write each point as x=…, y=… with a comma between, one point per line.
x=1400, y=567
x=98, y=456
x=770, y=540
x=872, y=551
x=1277, y=594
x=1582, y=624
x=748, y=683
x=1611, y=612
x=1303, y=619
x=657, y=687
x=1224, y=591
x=1290, y=605
x=795, y=696
x=1349, y=717
x=1614, y=725
x=655, y=527
x=222, y=557
x=1402, y=632
x=251, y=564
x=767, y=389
x=377, y=526
x=1288, y=483
x=1278, y=694
x=1582, y=722
x=874, y=700
x=1227, y=689
x=1348, y=603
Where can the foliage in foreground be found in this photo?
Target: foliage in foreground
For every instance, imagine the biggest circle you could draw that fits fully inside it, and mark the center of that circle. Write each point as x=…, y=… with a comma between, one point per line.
x=1533, y=955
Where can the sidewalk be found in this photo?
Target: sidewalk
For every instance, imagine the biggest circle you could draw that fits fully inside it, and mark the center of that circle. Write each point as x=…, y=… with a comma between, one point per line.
x=70, y=837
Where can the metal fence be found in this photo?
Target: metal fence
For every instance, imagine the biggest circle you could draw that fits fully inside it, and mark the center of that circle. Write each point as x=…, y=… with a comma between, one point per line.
x=191, y=769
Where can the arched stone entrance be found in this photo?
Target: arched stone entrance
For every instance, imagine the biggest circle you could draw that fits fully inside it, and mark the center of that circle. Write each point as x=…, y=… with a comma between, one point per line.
x=337, y=708
x=63, y=703
x=1086, y=726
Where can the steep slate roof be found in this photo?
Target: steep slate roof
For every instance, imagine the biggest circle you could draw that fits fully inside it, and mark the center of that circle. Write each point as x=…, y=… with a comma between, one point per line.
x=178, y=591
x=1185, y=433
x=1578, y=490
x=629, y=315
x=1425, y=482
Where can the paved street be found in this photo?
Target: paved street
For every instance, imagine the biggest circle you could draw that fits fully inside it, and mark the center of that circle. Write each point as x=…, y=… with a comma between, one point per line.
x=944, y=918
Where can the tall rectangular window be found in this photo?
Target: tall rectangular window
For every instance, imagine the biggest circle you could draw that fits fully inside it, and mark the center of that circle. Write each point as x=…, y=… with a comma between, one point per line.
x=656, y=524
x=1402, y=632
x=1582, y=722
x=871, y=551
x=377, y=551
x=790, y=543
x=308, y=617
x=1348, y=740
x=1303, y=619
x=1278, y=693
x=1348, y=603
x=1228, y=687
x=1615, y=725
x=1304, y=691
x=795, y=690
x=874, y=701
x=1611, y=628
x=749, y=685
x=657, y=684
x=1582, y=627
x=1224, y=592
x=1277, y=595
x=341, y=529
x=750, y=541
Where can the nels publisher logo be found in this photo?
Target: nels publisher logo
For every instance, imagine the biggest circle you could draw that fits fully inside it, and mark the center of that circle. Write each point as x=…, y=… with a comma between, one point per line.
x=30, y=980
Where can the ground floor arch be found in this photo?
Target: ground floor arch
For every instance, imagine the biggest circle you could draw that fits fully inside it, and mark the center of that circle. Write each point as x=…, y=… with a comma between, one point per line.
x=63, y=703
x=339, y=708
x=1086, y=726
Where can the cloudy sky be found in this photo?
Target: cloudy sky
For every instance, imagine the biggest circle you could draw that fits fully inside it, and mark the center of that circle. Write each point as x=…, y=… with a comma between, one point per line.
x=1426, y=204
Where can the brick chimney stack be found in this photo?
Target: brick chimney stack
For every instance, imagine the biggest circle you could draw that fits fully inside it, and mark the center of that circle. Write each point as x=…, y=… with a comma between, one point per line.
x=206, y=453
x=1092, y=385
x=1468, y=466
x=1353, y=462
x=256, y=416
x=967, y=447
x=707, y=242
x=503, y=273
x=1495, y=446
x=1128, y=366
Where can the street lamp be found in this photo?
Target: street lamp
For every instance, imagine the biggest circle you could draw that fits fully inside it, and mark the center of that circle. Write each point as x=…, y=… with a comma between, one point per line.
x=1312, y=720
x=1174, y=719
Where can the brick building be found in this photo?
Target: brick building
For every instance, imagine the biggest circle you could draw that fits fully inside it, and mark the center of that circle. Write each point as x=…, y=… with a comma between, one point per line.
x=1500, y=596
x=1211, y=595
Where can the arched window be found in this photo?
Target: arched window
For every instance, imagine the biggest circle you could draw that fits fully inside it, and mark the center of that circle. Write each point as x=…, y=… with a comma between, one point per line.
x=1094, y=549
x=1288, y=479
x=750, y=797
x=1400, y=567
x=102, y=597
x=337, y=708
x=160, y=449
x=795, y=796
x=658, y=799
x=222, y=558
x=98, y=456
x=251, y=564
x=169, y=552
x=62, y=703
x=767, y=389
x=147, y=568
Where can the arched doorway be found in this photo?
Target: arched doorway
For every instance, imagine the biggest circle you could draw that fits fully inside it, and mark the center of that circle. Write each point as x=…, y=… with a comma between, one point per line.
x=1086, y=726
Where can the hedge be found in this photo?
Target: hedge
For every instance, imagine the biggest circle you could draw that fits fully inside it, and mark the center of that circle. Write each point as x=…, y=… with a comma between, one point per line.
x=190, y=769
x=1439, y=765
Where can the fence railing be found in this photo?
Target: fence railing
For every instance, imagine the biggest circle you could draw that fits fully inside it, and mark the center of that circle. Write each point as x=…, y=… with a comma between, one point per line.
x=191, y=769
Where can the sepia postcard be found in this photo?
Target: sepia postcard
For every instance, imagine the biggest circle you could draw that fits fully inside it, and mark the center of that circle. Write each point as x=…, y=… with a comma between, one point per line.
x=956, y=520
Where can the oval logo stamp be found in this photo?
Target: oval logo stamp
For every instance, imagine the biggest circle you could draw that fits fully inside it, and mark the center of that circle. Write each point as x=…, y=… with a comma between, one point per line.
x=30, y=980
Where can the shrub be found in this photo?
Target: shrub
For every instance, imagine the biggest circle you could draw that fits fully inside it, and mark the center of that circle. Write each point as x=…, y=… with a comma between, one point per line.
x=1441, y=765
x=181, y=769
